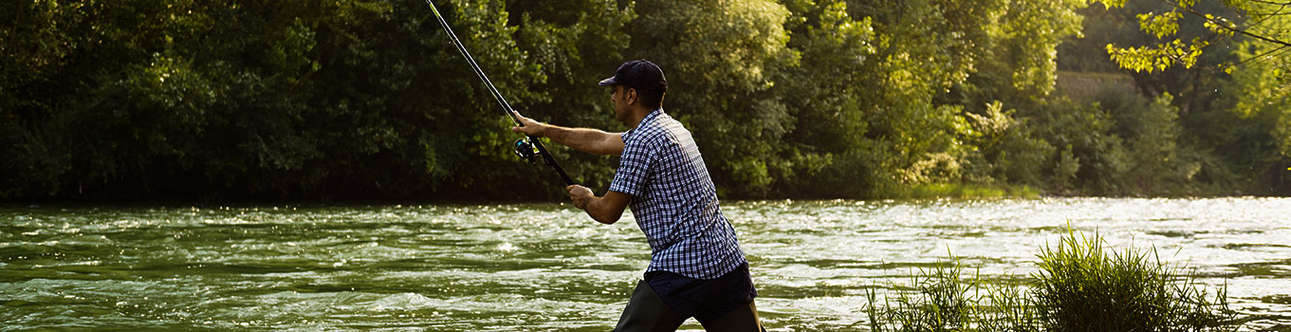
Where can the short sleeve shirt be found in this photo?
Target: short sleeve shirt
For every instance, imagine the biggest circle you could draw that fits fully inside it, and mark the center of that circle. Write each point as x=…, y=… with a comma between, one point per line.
x=674, y=200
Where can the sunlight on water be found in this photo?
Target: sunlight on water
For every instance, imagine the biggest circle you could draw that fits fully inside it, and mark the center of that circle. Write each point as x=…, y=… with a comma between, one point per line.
x=549, y=267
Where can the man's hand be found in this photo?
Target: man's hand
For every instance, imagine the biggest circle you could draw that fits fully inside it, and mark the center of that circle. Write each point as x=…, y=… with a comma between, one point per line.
x=530, y=127
x=605, y=210
x=580, y=195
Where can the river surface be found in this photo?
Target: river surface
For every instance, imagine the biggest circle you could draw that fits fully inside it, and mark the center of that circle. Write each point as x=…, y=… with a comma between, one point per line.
x=549, y=267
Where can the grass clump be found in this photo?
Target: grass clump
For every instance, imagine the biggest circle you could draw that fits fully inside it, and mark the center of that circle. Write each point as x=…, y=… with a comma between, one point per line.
x=1081, y=286
x=945, y=301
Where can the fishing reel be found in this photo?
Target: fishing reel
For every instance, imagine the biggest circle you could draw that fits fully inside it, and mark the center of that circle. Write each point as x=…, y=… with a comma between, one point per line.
x=526, y=150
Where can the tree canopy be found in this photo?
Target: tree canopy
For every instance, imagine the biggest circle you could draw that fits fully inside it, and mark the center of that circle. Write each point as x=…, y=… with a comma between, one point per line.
x=319, y=100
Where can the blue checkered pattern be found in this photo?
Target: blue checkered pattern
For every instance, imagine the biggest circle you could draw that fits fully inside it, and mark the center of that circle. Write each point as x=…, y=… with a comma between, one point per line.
x=674, y=201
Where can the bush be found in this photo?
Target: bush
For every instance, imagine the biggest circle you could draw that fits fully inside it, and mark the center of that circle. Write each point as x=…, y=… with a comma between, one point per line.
x=1089, y=157
x=1080, y=287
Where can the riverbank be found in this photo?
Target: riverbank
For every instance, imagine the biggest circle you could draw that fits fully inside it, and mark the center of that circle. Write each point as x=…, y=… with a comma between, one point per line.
x=966, y=191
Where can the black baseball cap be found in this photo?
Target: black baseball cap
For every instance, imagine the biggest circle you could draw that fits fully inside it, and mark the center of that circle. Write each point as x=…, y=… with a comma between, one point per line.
x=638, y=74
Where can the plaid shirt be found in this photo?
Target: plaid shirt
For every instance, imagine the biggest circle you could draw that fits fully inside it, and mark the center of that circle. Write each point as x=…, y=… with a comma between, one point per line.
x=674, y=201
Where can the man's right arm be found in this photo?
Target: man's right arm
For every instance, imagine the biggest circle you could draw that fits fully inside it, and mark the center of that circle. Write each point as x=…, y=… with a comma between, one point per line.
x=581, y=139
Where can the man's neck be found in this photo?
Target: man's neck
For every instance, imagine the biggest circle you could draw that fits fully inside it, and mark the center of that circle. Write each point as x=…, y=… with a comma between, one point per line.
x=638, y=114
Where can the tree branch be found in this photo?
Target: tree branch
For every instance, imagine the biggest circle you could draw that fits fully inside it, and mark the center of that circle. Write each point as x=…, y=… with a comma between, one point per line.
x=1226, y=27
x=1267, y=2
x=1262, y=55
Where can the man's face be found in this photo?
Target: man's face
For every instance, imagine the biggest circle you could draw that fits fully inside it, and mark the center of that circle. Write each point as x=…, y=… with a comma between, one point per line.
x=618, y=97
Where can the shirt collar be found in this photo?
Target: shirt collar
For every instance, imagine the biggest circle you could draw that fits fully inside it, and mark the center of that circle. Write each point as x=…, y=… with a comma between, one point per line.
x=650, y=117
x=647, y=119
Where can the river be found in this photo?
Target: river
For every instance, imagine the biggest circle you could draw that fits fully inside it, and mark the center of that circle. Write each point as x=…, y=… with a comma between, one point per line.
x=549, y=267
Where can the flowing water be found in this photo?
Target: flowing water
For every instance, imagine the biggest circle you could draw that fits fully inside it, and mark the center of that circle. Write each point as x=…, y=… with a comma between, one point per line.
x=549, y=267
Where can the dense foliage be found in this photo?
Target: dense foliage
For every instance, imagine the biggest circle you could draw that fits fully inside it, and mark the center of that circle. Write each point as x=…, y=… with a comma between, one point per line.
x=157, y=99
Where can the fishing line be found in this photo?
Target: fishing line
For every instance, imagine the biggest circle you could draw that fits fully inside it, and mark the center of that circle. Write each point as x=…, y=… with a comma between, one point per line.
x=525, y=148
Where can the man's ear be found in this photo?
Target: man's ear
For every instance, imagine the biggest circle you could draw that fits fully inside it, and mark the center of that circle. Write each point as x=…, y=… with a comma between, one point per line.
x=630, y=96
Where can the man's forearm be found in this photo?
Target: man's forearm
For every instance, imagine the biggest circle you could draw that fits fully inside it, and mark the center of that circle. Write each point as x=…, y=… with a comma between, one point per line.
x=584, y=139
x=603, y=212
x=605, y=209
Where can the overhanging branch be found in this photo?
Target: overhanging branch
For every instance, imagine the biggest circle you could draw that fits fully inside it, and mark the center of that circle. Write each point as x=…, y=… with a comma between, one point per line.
x=1224, y=25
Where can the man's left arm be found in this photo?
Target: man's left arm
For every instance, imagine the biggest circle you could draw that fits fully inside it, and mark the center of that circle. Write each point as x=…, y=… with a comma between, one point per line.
x=581, y=139
x=605, y=209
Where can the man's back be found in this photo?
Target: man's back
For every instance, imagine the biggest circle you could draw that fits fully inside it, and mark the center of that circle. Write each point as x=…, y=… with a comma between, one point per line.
x=674, y=200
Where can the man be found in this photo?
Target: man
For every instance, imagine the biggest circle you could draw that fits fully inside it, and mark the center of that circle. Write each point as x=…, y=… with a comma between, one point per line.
x=696, y=266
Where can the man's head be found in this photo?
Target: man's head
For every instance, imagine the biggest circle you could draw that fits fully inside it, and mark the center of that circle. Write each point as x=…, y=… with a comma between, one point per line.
x=638, y=84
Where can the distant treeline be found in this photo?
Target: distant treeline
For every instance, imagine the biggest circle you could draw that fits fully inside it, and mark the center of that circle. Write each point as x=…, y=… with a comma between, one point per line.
x=343, y=100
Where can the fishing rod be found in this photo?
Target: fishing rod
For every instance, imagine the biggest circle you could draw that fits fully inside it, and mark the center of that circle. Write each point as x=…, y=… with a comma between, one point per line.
x=525, y=148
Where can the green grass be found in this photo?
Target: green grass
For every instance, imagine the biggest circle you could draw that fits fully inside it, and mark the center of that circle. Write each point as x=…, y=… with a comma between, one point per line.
x=957, y=190
x=943, y=301
x=1081, y=286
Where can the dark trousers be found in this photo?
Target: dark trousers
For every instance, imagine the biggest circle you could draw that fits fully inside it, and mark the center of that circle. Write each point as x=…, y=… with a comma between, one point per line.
x=647, y=312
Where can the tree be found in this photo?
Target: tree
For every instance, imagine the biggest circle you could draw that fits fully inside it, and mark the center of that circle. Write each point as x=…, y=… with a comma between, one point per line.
x=721, y=58
x=576, y=44
x=1259, y=71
